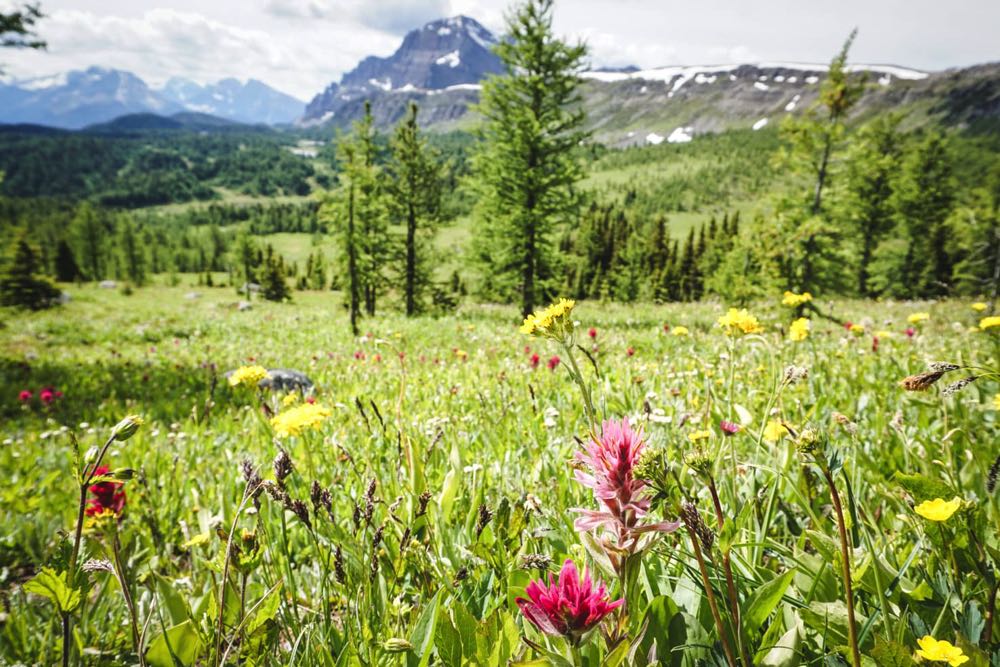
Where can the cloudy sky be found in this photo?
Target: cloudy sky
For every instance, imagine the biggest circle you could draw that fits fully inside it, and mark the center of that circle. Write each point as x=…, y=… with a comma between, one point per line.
x=299, y=46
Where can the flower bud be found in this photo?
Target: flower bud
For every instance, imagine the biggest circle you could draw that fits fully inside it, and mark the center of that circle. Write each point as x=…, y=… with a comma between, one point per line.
x=397, y=645
x=127, y=427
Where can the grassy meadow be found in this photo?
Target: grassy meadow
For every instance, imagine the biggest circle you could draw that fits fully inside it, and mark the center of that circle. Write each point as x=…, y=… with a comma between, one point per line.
x=432, y=478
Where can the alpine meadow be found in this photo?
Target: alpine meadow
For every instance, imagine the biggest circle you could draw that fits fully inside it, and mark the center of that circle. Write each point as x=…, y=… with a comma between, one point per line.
x=513, y=346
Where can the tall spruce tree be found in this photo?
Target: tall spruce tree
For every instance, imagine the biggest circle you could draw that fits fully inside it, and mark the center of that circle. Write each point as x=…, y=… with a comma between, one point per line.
x=810, y=258
x=524, y=164
x=414, y=188
x=871, y=173
x=22, y=283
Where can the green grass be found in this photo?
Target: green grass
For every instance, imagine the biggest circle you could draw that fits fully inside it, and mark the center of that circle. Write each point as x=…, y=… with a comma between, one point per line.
x=453, y=407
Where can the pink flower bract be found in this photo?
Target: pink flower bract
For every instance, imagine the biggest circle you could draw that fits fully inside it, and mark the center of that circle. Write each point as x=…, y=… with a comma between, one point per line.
x=611, y=462
x=568, y=607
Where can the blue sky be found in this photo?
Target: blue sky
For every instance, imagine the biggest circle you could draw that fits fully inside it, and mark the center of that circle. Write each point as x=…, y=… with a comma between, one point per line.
x=299, y=46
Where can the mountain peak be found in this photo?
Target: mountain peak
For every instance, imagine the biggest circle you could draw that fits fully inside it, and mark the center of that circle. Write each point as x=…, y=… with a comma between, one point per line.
x=455, y=51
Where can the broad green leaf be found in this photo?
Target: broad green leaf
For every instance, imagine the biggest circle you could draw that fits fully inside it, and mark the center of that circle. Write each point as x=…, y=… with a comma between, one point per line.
x=181, y=642
x=176, y=606
x=765, y=599
x=447, y=641
x=52, y=585
x=266, y=611
x=423, y=632
x=923, y=488
x=784, y=652
x=891, y=654
x=665, y=626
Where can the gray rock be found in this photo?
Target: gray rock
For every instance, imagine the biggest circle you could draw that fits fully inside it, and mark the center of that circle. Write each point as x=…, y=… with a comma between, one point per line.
x=107, y=284
x=64, y=297
x=284, y=379
x=243, y=305
x=192, y=295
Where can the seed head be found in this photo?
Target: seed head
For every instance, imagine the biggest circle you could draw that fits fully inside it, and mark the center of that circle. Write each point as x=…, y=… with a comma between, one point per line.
x=283, y=467
x=535, y=561
x=485, y=516
x=991, y=478
x=958, y=386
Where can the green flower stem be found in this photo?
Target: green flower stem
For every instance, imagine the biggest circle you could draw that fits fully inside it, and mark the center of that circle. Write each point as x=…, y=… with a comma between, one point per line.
x=845, y=554
x=574, y=371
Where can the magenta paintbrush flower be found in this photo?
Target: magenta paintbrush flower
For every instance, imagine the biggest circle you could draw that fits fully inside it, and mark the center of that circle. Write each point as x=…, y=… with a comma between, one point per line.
x=569, y=607
x=610, y=471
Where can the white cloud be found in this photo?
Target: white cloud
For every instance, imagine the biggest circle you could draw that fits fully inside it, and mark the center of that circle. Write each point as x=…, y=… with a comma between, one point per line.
x=161, y=43
x=393, y=16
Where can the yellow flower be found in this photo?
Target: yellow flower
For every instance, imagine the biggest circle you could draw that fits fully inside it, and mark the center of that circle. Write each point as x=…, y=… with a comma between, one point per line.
x=248, y=376
x=289, y=400
x=940, y=651
x=552, y=322
x=857, y=328
x=680, y=331
x=695, y=436
x=883, y=334
x=739, y=321
x=938, y=509
x=793, y=299
x=916, y=318
x=979, y=306
x=300, y=418
x=774, y=431
x=988, y=322
x=462, y=354
x=996, y=402
x=799, y=329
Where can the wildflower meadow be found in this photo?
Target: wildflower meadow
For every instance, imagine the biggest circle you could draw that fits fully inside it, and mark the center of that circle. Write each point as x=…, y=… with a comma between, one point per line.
x=796, y=482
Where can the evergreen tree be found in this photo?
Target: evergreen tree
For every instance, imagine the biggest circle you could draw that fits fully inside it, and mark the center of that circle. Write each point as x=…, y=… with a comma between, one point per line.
x=248, y=259
x=67, y=270
x=872, y=166
x=91, y=230
x=272, y=280
x=415, y=192
x=133, y=256
x=924, y=199
x=525, y=165
x=22, y=284
x=810, y=257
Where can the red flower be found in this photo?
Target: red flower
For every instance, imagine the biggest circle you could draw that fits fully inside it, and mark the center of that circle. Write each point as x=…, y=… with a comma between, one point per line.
x=910, y=332
x=630, y=351
x=108, y=496
x=310, y=399
x=47, y=395
x=25, y=395
x=569, y=607
x=729, y=428
x=534, y=360
x=359, y=355
x=592, y=332
x=848, y=325
x=666, y=328
x=553, y=362
x=874, y=343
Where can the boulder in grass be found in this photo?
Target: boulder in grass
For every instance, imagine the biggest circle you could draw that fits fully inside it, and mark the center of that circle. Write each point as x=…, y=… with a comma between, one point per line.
x=244, y=305
x=284, y=379
x=107, y=284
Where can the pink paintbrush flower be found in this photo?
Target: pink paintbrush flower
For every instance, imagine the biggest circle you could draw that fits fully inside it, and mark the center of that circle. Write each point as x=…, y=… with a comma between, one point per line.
x=609, y=465
x=567, y=608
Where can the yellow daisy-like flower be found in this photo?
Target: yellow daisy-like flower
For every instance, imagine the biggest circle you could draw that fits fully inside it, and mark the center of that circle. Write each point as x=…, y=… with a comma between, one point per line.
x=979, y=306
x=938, y=509
x=298, y=419
x=248, y=376
x=774, y=431
x=289, y=400
x=857, y=328
x=884, y=333
x=989, y=322
x=940, y=651
x=680, y=331
x=703, y=434
x=552, y=322
x=916, y=318
x=792, y=299
x=799, y=330
x=739, y=321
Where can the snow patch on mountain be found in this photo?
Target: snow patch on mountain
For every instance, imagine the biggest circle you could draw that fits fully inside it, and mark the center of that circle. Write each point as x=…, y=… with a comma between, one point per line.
x=759, y=124
x=451, y=59
x=681, y=135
